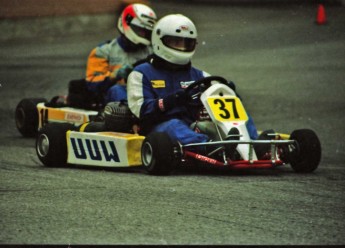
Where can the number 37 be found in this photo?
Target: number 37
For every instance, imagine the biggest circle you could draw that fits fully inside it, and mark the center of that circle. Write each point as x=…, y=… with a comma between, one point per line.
x=226, y=113
x=228, y=109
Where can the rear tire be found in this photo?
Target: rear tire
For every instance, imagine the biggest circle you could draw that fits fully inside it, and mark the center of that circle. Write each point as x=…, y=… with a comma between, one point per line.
x=308, y=155
x=26, y=116
x=51, y=144
x=159, y=154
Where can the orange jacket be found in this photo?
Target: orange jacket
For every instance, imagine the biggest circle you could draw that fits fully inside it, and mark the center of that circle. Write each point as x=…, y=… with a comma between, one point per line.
x=106, y=59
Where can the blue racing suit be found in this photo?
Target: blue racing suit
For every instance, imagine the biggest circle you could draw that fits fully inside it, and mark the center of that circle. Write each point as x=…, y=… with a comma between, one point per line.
x=147, y=85
x=116, y=93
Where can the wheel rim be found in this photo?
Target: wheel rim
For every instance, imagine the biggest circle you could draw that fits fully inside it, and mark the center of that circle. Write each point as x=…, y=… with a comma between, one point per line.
x=147, y=154
x=20, y=117
x=43, y=145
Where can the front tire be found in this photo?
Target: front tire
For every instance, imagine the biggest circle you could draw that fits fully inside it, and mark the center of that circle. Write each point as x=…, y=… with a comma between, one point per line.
x=51, y=144
x=159, y=154
x=26, y=116
x=308, y=155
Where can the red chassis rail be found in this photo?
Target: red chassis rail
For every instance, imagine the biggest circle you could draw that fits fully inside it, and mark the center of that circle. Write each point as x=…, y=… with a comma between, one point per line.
x=274, y=160
x=238, y=164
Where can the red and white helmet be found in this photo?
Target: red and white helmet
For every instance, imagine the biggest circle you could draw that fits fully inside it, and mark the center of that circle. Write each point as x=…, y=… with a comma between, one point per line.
x=136, y=23
x=174, y=39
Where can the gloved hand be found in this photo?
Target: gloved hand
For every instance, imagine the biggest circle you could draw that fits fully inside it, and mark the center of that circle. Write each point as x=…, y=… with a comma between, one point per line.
x=123, y=72
x=179, y=98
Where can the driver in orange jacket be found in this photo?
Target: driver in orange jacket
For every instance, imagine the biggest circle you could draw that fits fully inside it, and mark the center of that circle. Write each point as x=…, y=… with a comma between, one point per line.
x=110, y=63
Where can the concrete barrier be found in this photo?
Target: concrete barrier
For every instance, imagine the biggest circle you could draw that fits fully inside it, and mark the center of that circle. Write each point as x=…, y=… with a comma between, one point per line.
x=40, y=8
x=31, y=18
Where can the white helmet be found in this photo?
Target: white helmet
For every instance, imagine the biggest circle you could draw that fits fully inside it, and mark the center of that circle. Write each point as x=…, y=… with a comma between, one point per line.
x=174, y=39
x=136, y=23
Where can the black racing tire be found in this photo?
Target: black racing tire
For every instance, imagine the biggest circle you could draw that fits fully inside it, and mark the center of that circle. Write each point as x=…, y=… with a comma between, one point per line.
x=26, y=116
x=307, y=157
x=51, y=144
x=159, y=155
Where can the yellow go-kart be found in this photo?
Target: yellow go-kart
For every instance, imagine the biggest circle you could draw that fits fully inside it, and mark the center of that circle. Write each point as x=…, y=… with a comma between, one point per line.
x=225, y=122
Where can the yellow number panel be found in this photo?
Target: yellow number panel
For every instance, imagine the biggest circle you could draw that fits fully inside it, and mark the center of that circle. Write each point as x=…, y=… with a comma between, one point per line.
x=228, y=108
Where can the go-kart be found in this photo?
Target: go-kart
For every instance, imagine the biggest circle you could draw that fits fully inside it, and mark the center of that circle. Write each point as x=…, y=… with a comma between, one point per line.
x=231, y=146
x=31, y=114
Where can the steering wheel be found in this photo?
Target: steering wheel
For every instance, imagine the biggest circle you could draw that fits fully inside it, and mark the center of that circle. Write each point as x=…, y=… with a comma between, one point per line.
x=200, y=86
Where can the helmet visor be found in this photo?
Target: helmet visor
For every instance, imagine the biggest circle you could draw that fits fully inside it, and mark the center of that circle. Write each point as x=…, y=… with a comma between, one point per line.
x=141, y=32
x=179, y=43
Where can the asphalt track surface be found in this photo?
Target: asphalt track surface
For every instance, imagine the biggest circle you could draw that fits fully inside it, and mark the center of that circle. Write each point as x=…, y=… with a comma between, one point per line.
x=290, y=73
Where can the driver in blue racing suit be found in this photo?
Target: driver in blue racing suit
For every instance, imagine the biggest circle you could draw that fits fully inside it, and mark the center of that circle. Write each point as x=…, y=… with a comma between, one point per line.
x=156, y=92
